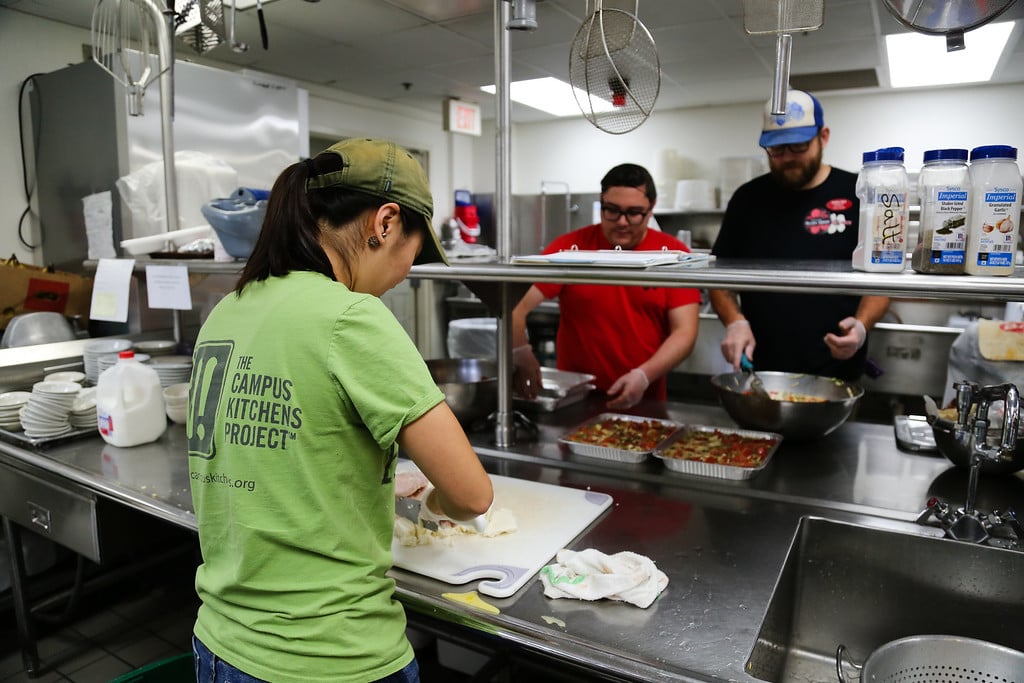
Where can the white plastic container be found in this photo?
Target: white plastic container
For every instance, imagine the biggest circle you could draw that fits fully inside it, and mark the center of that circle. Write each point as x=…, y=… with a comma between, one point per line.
x=130, y=403
x=883, y=189
x=995, y=211
x=944, y=188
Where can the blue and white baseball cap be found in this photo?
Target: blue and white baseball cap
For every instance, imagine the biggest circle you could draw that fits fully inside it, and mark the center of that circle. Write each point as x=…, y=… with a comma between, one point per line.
x=801, y=122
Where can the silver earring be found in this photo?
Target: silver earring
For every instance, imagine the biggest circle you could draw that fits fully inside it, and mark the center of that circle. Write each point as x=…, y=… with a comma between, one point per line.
x=373, y=242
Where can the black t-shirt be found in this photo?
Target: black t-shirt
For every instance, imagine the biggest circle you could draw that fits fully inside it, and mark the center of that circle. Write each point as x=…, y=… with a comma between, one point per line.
x=765, y=221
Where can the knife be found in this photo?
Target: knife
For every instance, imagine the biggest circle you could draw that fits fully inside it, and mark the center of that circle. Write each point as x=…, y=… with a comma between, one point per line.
x=409, y=508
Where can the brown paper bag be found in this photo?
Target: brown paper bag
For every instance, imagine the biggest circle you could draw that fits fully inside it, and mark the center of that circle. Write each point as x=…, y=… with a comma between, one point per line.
x=25, y=288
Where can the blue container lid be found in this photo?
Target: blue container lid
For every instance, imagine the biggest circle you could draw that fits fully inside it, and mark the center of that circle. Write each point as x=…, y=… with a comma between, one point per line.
x=994, y=152
x=945, y=155
x=884, y=154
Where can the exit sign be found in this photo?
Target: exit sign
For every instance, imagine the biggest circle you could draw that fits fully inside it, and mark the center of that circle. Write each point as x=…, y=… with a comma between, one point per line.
x=462, y=117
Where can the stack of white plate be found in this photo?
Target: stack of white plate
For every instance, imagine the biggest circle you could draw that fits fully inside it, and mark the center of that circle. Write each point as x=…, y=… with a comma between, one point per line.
x=172, y=369
x=46, y=413
x=156, y=347
x=69, y=376
x=11, y=403
x=83, y=409
x=93, y=350
x=109, y=360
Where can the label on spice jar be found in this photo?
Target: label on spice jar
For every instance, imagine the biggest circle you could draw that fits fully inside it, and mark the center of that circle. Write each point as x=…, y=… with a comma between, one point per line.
x=944, y=218
x=997, y=226
x=888, y=229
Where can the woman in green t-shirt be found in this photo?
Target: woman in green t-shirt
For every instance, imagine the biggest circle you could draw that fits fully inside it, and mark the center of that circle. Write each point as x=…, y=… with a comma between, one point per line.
x=303, y=390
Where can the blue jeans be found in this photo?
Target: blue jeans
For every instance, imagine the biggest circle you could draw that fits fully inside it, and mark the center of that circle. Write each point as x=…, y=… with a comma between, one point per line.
x=212, y=669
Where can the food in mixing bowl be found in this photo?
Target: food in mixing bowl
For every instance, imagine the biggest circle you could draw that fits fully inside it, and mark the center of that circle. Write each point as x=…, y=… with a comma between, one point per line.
x=625, y=435
x=721, y=448
x=794, y=397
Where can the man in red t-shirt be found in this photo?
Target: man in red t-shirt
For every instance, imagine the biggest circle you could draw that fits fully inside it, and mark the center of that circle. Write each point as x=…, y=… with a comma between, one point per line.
x=629, y=338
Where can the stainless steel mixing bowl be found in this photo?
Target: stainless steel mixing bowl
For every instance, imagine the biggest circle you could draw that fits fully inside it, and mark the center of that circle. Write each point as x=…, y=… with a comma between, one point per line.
x=793, y=419
x=39, y=327
x=945, y=440
x=470, y=385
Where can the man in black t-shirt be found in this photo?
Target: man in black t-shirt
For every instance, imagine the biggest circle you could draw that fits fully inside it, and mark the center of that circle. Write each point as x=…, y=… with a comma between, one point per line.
x=800, y=210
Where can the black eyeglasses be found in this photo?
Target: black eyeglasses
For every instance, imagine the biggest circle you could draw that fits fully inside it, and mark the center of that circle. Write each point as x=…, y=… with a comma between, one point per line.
x=634, y=216
x=794, y=148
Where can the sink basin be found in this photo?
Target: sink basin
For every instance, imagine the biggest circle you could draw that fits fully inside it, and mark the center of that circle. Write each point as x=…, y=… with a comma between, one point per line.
x=864, y=586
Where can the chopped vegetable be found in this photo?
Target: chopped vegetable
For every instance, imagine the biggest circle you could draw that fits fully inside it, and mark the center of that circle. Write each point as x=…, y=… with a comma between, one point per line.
x=720, y=448
x=625, y=435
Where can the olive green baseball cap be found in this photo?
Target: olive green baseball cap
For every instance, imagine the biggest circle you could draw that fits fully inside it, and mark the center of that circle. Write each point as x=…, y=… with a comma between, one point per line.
x=382, y=169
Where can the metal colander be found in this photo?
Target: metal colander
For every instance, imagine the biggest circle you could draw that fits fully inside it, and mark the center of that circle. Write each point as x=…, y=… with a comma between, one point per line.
x=939, y=659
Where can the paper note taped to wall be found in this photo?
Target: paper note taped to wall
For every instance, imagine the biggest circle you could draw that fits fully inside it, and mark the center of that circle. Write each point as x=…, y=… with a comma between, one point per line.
x=110, y=289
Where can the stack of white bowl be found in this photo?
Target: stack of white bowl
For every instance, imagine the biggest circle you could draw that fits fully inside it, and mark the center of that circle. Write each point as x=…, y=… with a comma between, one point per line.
x=11, y=402
x=68, y=376
x=83, y=409
x=176, y=401
x=109, y=360
x=172, y=369
x=94, y=350
x=46, y=413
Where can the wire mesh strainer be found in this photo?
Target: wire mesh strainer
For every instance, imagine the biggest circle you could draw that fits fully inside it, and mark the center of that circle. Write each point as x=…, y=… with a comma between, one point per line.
x=938, y=659
x=614, y=69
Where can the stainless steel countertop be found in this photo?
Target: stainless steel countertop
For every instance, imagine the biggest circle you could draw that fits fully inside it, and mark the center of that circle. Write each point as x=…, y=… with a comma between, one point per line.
x=721, y=543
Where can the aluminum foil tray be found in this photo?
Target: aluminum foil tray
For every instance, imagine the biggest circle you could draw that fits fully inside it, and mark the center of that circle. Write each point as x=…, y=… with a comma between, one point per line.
x=710, y=469
x=560, y=383
x=615, y=454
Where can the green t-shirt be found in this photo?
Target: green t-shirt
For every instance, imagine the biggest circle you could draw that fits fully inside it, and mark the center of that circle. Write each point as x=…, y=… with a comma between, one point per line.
x=299, y=390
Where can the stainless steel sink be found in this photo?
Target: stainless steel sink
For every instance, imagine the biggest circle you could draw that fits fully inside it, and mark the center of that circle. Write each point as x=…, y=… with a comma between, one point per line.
x=863, y=586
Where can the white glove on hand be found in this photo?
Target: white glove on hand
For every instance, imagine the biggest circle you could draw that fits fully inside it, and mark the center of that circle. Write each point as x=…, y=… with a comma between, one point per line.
x=853, y=337
x=526, y=372
x=628, y=389
x=738, y=341
x=437, y=520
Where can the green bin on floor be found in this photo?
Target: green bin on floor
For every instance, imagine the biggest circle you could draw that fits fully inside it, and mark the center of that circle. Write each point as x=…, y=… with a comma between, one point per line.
x=176, y=669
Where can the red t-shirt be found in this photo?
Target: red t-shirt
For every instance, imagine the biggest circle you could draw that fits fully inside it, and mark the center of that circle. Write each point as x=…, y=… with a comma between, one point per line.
x=607, y=330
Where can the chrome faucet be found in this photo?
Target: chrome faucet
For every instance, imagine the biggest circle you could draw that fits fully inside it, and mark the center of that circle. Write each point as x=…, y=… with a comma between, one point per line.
x=971, y=432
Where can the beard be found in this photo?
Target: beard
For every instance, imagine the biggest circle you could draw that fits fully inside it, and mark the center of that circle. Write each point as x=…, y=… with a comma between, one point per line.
x=794, y=174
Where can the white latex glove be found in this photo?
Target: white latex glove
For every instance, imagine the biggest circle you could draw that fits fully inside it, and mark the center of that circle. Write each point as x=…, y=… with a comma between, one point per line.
x=845, y=345
x=627, y=390
x=738, y=341
x=429, y=516
x=526, y=372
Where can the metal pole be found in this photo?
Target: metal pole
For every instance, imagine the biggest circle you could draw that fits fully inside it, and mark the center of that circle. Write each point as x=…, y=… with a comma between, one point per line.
x=504, y=428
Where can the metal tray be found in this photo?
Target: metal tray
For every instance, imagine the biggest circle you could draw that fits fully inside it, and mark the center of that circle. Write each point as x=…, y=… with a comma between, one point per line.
x=561, y=383
x=616, y=454
x=20, y=439
x=550, y=404
x=715, y=470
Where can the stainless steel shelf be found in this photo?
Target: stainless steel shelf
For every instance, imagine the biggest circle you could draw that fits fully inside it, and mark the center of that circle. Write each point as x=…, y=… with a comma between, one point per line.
x=782, y=276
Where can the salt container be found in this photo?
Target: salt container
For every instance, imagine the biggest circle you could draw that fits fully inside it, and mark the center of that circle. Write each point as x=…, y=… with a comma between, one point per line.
x=883, y=189
x=130, y=403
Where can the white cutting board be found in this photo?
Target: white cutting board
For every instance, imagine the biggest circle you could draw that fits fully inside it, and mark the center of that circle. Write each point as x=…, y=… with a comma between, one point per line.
x=549, y=518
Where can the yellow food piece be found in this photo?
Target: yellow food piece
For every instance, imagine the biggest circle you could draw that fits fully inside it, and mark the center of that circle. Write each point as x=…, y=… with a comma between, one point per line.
x=473, y=599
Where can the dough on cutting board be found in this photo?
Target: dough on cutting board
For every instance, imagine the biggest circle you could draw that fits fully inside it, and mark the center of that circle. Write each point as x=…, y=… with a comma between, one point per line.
x=499, y=521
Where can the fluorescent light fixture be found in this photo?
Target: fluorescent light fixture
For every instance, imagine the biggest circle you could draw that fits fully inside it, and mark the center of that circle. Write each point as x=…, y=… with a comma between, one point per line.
x=916, y=59
x=550, y=95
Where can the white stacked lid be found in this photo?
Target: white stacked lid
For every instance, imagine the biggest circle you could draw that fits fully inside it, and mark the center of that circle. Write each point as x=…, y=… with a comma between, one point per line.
x=46, y=412
x=172, y=369
x=11, y=403
x=108, y=360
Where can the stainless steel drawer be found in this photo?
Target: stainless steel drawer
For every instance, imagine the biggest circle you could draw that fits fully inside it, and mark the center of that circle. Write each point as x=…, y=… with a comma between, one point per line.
x=64, y=513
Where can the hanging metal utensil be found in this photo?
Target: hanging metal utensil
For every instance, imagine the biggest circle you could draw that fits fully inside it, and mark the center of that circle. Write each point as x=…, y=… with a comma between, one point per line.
x=123, y=32
x=263, y=24
x=199, y=23
x=949, y=18
x=614, y=69
x=782, y=18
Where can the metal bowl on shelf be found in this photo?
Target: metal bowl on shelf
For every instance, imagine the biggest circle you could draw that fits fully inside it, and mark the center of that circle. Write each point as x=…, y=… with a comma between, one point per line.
x=470, y=385
x=802, y=406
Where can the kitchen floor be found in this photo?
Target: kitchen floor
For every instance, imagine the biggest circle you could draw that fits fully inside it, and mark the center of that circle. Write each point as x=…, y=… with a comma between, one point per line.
x=142, y=619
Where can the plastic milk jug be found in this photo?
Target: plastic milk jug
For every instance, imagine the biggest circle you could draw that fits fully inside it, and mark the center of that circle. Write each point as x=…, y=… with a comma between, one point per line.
x=995, y=211
x=883, y=189
x=130, y=403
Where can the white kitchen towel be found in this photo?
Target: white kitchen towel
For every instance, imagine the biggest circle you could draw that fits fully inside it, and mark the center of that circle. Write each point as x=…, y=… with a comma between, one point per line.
x=592, y=575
